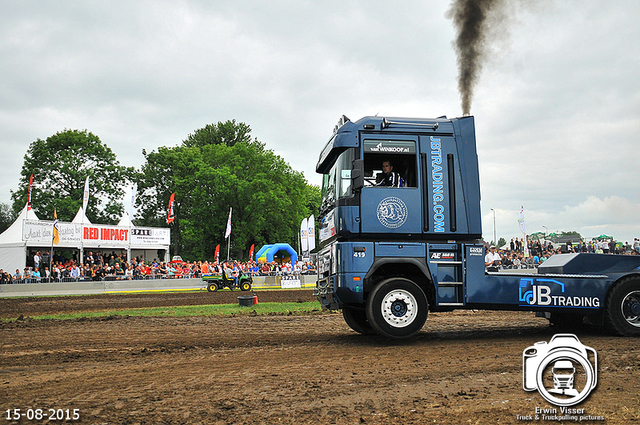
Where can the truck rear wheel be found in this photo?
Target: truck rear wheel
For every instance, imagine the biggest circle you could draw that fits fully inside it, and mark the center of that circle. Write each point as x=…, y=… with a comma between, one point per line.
x=397, y=308
x=357, y=320
x=623, y=307
x=212, y=287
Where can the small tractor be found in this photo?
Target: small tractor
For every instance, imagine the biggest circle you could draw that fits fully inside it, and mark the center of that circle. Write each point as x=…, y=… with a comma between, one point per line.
x=215, y=282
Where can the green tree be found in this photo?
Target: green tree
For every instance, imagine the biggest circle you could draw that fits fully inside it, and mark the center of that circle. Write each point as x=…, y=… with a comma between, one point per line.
x=225, y=170
x=228, y=133
x=555, y=237
x=7, y=216
x=60, y=165
x=574, y=235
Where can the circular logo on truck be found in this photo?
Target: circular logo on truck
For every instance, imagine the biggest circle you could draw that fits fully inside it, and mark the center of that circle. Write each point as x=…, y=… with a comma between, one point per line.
x=392, y=212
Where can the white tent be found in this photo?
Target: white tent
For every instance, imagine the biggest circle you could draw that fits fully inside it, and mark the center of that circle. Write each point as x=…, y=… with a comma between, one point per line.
x=125, y=221
x=13, y=249
x=80, y=217
x=28, y=232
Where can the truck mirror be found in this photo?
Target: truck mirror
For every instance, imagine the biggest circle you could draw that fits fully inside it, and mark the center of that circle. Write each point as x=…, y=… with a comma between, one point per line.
x=357, y=174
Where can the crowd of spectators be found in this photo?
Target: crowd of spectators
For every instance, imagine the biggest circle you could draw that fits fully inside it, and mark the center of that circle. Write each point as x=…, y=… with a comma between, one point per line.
x=515, y=256
x=98, y=266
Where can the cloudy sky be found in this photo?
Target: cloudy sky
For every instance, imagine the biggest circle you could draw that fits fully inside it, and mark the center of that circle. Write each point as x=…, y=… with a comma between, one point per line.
x=557, y=105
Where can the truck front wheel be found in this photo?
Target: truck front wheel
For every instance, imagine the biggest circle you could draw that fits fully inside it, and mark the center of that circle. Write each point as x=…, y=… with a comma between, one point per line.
x=357, y=320
x=623, y=307
x=397, y=308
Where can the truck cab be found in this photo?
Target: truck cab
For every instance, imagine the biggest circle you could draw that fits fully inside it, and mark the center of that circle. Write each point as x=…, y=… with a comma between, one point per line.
x=439, y=192
x=371, y=233
x=392, y=252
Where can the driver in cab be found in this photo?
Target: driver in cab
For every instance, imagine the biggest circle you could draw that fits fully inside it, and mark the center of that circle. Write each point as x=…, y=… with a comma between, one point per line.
x=388, y=177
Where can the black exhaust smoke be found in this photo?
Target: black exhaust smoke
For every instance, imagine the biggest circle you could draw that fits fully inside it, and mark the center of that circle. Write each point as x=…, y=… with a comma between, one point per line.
x=472, y=19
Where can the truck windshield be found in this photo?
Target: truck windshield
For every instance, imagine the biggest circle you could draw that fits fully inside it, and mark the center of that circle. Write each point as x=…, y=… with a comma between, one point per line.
x=337, y=182
x=400, y=154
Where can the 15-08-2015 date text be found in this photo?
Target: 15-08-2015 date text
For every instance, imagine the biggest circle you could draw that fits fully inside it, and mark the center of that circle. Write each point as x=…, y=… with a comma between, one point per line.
x=42, y=414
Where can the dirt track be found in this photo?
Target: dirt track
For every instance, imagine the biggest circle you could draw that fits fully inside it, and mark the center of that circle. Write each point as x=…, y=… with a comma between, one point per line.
x=464, y=367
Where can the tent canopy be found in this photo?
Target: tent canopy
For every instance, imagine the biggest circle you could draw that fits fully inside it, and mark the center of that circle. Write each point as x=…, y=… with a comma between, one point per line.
x=279, y=252
x=28, y=231
x=80, y=217
x=125, y=221
x=13, y=250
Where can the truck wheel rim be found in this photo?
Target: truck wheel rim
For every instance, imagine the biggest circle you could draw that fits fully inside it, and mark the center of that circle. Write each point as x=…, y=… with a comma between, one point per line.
x=399, y=308
x=631, y=308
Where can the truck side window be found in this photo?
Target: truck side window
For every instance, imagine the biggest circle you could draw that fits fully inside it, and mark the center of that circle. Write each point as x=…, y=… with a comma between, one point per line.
x=390, y=163
x=337, y=182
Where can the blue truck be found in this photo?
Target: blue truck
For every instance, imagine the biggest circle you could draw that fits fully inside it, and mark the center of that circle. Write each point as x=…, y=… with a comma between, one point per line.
x=394, y=247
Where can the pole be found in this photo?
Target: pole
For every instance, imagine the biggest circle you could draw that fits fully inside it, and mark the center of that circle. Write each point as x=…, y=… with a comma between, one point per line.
x=129, y=237
x=82, y=241
x=50, y=253
x=227, y=233
x=495, y=241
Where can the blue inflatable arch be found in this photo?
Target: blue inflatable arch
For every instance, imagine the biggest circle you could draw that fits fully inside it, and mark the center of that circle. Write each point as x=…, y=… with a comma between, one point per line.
x=278, y=252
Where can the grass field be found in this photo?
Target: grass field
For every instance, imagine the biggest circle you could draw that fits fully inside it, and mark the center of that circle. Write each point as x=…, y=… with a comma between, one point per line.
x=199, y=310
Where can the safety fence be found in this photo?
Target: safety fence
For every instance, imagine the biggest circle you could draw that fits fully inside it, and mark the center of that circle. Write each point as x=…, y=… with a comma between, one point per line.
x=70, y=286
x=109, y=278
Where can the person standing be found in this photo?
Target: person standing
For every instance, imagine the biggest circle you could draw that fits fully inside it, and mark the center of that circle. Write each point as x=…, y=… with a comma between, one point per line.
x=36, y=260
x=492, y=260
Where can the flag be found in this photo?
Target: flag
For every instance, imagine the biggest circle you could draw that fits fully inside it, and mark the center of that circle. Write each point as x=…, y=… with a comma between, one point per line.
x=56, y=233
x=228, y=231
x=29, y=198
x=304, y=246
x=253, y=247
x=524, y=232
x=521, y=221
x=85, y=197
x=217, y=254
x=134, y=193
x=311, y=232
x=171, y=216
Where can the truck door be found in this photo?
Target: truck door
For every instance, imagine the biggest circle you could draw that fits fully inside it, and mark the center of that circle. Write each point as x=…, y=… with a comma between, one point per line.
x=394, y=209
x=441, y=185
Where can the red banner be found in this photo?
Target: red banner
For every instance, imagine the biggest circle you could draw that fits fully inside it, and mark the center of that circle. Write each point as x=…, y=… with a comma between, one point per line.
x=217, y=254
x=171, y=215
x=253, y=246
x=29, y=199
